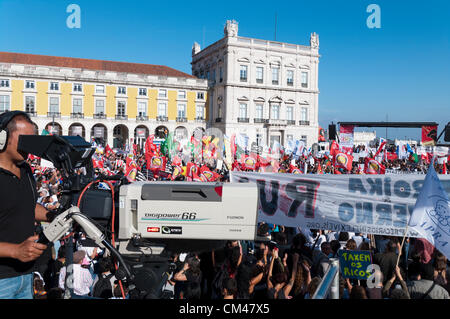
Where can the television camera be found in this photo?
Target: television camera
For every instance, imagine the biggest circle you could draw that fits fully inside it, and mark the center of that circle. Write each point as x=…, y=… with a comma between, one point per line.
x=155, y=220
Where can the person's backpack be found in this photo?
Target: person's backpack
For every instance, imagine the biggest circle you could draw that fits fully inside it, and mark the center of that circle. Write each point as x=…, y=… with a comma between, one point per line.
x=103, y=288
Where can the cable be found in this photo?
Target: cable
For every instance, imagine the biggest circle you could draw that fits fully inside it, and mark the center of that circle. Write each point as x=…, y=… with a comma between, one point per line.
x=112, y=221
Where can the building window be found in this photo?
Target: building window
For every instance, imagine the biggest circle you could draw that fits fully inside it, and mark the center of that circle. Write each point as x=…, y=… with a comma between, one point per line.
x=162, y=93
x=213, y=76
x=121, y=108
x=259, y=111
x=219, y=111
x=200, y=112
x=4, y=83
x=290, y=137
x=243, y=73
x=304, y=79
x=100, y=89
x=200, y=96
x=142, y=109
x=275, y=75
x=181, y=110
x=142, y=92
x=220, y=74
x=304, y=114
x=29, y=104
x=181, y=94
x=77, y=106
x=29, y=84
x=4, y=103
x=100, y=107
x=121, y=90
x=54, y=86
x=162, y=109
x=275, y=114
x=290, y=77
x=289, y=113
x=243, y=110
x=77, y=87
x=54, y=105
x=259, y=74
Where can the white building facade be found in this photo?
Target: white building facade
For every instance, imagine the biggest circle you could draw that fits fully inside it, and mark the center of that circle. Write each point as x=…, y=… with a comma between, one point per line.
x=266, y=90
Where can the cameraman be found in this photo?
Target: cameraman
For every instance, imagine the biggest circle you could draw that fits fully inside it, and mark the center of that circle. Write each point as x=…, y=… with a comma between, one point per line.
x=18, y=210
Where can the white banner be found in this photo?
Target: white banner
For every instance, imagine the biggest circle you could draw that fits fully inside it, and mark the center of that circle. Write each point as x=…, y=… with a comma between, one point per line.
x=371, y=204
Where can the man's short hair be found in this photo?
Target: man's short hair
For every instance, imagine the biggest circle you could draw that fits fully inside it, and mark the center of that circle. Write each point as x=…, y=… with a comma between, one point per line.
x=12, y=125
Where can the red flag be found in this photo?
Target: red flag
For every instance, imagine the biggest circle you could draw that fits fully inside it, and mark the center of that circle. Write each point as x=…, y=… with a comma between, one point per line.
x=429, y=135
x=191, y=168
x=177, y=171
x=321, y=134
x=334, y=148
x=157, y=163
x=372, y=166
x=248, y=162
x=342, y=160
x=294, y=170
x=97, y=163
x=108, y=150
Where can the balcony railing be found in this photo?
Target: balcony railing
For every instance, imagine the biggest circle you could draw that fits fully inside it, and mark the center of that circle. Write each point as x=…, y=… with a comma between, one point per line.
x=277, y=122
x=77, y=115
x=31, y=113
x=121, y=117
x=162, y=118
x=54, y=114
x=218, y=119
x=200, y=119
x=243, y=120
x=290, y=122
x=303, y=122
x=99, y=116
x=181, y=119
x=142, y=118
x=261, y=120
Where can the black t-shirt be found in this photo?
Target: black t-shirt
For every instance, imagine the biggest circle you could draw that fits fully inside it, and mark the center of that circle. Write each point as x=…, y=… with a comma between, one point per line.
x=17, y=216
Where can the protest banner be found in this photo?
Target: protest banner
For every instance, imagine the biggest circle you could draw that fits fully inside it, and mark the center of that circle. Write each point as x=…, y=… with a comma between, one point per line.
x=376, y=204
x=354, y=263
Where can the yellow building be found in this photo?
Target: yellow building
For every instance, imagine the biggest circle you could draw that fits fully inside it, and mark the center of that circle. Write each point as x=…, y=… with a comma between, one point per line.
x=115, y=102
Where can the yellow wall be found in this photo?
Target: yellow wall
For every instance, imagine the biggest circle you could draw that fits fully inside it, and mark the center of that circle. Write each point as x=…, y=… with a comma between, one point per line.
x=111, y=101
x=88, y=101
x=41, y=97
x=65, y=99
x=17, y=100
x=191, y=105
x=172, y=105
x=132, y=103
x=152, y=108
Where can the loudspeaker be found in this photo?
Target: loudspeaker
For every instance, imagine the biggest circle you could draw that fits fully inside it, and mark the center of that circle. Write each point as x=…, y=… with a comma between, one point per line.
x=332, y=132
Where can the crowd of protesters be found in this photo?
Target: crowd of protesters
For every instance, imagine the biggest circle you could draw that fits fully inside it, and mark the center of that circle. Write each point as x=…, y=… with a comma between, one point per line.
x=290, y=266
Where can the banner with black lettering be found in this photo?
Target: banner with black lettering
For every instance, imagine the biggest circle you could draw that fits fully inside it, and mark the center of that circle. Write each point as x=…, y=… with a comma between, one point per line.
x=369, y=204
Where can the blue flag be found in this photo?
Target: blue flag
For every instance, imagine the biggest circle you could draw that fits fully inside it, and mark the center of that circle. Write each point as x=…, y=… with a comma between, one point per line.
x=431, y=214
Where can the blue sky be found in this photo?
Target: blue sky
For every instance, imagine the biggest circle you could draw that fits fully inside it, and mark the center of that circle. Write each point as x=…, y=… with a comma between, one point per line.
x=400, y=71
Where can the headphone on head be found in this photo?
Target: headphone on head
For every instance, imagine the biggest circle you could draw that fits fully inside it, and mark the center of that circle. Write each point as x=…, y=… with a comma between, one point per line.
x=5, y=118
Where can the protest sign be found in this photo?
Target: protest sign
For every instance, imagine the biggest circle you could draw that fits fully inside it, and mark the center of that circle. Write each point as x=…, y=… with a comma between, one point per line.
x=354, y=263
x=375, y=204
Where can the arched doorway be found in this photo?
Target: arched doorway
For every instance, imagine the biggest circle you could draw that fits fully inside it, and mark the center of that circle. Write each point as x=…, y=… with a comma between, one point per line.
x=161, y=132
x=141, y=133
x=181, y=133
x=77, y=129
x=99, y=133
x=120, y=134
x=54, y=128
x=198, y=133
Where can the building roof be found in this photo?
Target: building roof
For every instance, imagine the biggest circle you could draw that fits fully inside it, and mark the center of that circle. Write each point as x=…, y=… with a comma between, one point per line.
x=89, y=64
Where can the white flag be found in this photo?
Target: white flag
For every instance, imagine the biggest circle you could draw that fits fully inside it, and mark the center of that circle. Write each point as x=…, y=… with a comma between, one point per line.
x=431, y=214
